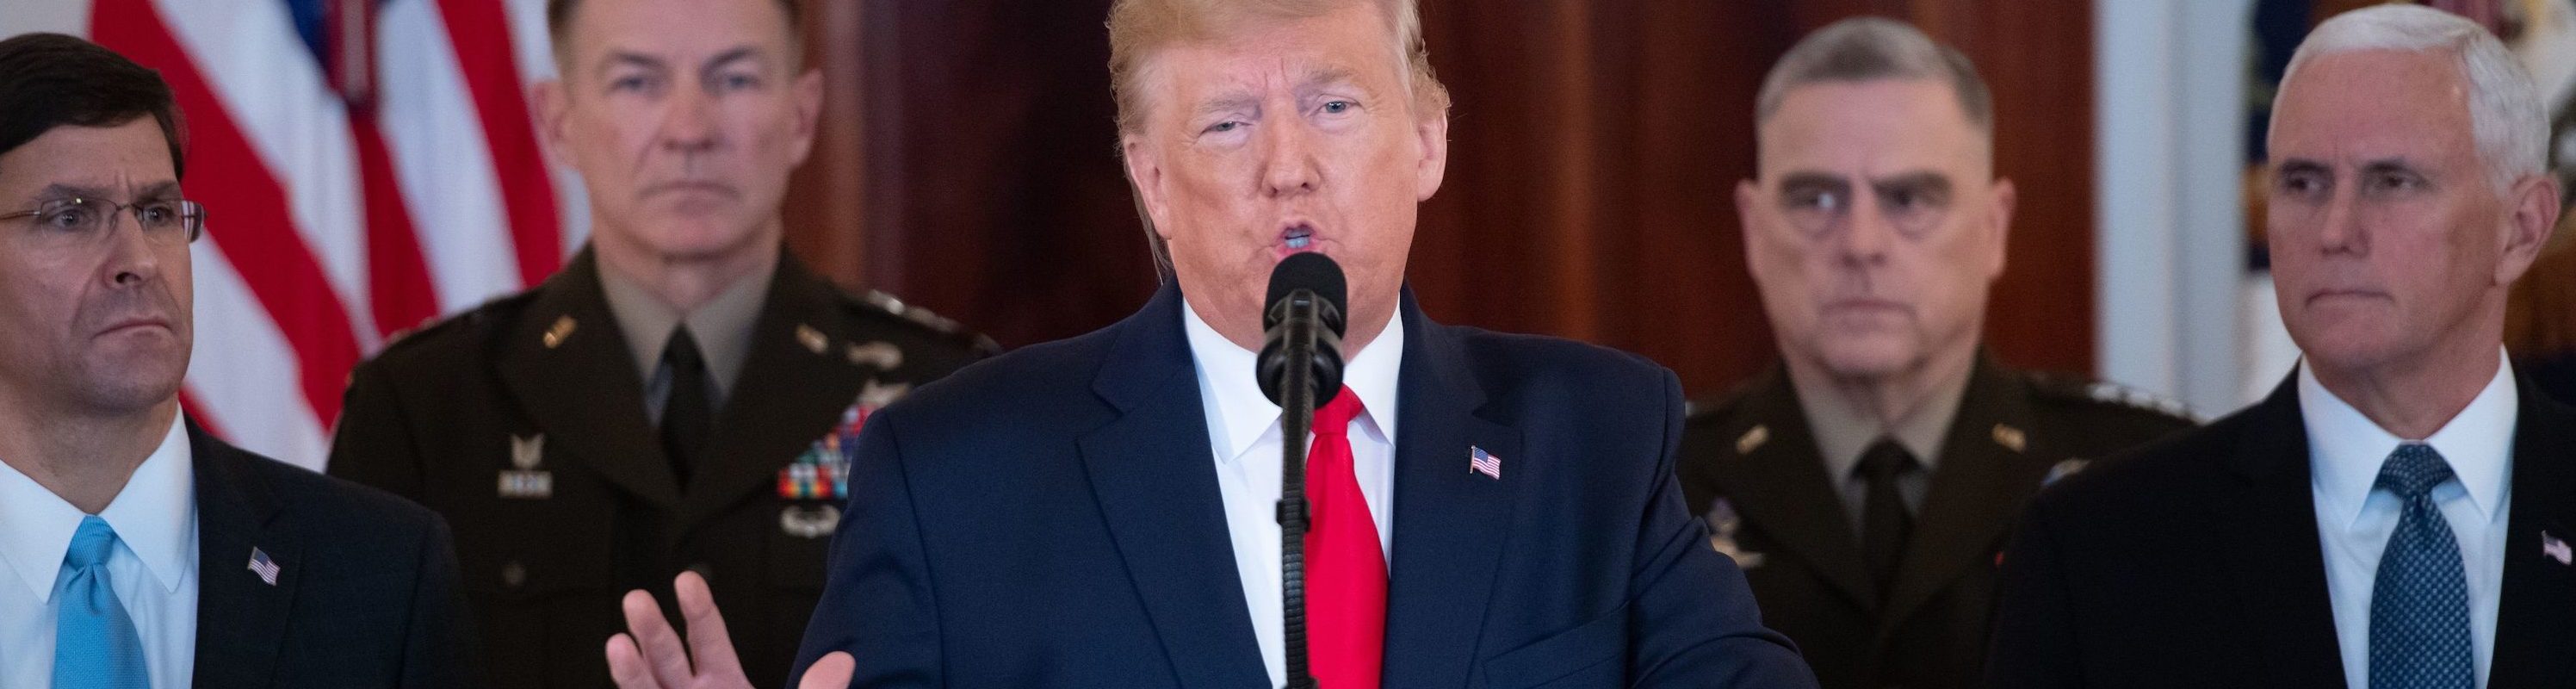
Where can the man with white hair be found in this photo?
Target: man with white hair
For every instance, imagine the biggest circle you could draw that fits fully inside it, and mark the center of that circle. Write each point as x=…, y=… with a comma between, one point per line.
x=2399, y=512
x=1490, y=510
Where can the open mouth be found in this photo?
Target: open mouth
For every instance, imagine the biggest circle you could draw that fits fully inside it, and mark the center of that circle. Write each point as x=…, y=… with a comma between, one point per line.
x=1297, y=237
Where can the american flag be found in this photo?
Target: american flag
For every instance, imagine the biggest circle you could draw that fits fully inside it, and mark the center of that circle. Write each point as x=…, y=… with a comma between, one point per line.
x=366, y=165
x=1483, y=463
x=262, y=566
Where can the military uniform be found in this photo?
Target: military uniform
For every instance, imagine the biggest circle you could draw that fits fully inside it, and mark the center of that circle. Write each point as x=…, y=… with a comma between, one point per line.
x=1750, y=465
x=525, y=423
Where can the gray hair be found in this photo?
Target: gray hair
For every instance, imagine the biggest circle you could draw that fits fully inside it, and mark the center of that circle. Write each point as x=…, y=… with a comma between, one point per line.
x=1873, y=48
x=2512, y=130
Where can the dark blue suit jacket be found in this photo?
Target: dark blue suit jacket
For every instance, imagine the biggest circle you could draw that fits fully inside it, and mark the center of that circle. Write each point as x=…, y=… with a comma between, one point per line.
x=1050, y=518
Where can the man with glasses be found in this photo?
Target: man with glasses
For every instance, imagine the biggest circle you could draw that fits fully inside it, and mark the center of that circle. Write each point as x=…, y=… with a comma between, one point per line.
x=682, y=396
x=1865, y=484
x=140, y=551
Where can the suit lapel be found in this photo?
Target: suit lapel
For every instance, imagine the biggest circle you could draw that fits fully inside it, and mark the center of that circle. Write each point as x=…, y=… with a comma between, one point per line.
x=241, y=618
x=568, y=366
x=1156, y=483
x=1779, y=486
x=1450, y=522
x=791, y=392
x=1977, y=490
x=2268, y=540
x=2535, y=635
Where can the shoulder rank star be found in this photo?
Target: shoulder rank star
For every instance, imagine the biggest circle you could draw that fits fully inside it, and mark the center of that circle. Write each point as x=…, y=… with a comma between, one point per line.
x=525, y=481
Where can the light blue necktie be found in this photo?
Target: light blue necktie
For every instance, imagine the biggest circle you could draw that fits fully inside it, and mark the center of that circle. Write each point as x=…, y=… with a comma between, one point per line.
x=2419, y=604
x=95, y=645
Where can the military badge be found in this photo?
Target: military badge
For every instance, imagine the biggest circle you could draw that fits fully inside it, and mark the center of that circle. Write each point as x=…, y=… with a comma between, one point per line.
x=527, y=482
x=814, y=484
x=1723, y=524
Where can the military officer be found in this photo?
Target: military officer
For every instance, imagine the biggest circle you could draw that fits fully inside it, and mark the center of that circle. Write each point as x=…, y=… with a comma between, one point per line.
x=682, y=394
x=1866, y=484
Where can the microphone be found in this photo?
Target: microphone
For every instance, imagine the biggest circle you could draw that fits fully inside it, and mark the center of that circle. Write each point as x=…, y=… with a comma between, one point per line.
x=1305, y=305
x=1300, y=368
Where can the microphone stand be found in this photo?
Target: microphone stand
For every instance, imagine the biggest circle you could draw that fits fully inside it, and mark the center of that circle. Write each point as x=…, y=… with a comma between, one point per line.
x=1296, y=418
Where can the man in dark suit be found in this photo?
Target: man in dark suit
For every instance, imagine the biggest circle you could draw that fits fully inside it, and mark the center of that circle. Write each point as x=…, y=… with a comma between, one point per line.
x=1490, y=510
x=138, y=550
x=684, y=394
x=2398, y=512
x=1866, y=483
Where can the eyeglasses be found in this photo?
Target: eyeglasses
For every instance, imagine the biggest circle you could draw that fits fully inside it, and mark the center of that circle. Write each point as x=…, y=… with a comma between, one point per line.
x=78, y=221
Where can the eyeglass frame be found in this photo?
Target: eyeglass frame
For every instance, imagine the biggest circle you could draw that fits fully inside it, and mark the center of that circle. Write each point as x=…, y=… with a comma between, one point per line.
x=192, y=215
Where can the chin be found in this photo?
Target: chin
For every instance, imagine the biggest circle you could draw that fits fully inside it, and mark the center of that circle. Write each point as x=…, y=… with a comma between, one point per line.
x=1868, y=356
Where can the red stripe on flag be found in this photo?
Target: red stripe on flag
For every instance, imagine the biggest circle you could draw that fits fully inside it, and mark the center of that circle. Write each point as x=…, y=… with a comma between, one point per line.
x=480, y=30
x=398, y=286
x=252, y=226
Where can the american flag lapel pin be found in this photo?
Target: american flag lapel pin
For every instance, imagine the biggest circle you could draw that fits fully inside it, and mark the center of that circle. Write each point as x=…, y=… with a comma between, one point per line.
x=1482, y=462
x=2556, y=549
x=262, y=566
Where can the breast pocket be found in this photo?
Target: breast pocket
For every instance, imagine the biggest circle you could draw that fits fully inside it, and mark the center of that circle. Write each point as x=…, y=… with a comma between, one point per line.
x=1591, y=654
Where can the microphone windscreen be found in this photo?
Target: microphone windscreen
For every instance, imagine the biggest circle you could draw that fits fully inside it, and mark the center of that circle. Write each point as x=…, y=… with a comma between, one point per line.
x=1310, y=271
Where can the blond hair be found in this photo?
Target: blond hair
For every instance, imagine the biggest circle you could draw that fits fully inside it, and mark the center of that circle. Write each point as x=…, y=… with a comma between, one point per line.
x=1139, y=27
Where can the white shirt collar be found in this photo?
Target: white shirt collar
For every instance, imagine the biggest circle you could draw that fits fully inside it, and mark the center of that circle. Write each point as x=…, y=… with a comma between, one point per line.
x=154, y=515
x=2345, y=448
x=1225, y=375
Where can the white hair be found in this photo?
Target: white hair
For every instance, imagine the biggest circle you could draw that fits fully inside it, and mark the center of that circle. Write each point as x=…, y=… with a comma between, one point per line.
x=2505, y=116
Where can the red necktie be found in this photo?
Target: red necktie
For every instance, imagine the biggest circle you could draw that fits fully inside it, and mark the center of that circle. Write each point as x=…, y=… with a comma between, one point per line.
x=1345, y=569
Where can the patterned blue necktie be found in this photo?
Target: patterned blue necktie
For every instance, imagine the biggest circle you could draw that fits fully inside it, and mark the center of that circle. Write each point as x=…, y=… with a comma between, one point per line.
x=2419, y=604
x=95, y=645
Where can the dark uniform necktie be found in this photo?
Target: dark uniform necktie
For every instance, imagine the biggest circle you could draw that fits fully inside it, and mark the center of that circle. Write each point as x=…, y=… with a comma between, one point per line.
x=2419, y=602
x=685, y=417
x=1884, y=524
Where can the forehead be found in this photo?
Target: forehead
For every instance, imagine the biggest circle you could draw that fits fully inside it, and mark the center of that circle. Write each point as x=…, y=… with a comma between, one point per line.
x=2373, y=103
x=675, y=28
x=1878, y=125
x=125, y=157
x=1262, y=53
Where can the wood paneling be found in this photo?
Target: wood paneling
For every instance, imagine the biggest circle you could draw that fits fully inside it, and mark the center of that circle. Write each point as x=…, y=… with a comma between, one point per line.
x=1594, y=150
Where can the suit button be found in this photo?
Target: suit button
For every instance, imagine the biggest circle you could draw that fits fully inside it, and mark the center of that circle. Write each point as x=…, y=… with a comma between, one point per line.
x=514, y=574
x=704, y=572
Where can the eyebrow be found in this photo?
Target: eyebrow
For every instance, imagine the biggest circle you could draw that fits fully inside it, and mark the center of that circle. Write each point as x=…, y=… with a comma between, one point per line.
x=2302, y=165
x=739, y=53
x=1919, y=180
x=1327, y=76
x=1814, y=179
x=623, y=58
x=2389, y=165
x=1229, y=102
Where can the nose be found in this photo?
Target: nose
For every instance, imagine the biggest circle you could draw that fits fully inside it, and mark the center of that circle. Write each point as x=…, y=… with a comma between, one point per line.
x=1866, y=233
x=2339, y=229
x=1288, y=166
x=132, y=259
x=688, y=122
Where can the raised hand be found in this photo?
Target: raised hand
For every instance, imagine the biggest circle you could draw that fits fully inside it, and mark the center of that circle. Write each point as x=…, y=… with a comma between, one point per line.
x=654, y=656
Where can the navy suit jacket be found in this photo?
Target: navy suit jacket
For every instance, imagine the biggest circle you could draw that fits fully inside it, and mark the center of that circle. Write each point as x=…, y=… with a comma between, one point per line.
x=1051, y=518
x=365, y=593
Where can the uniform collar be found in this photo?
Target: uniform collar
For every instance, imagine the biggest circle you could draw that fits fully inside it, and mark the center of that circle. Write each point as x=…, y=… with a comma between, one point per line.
x=722, y=326
x=154, y=516
x=1843, y=432
x=1240, y=415
x=2345, y=448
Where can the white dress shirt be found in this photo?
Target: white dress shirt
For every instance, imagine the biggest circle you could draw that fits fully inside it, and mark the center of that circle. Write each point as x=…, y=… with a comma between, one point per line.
x=2345, y=451
x=153, y=568
x=1243, y=434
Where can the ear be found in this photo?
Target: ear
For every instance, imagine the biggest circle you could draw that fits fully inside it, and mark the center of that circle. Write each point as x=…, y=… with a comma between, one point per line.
x=552, y=108
x=2535, y=216
x=808, y=101
x=1748, y=223
x=1431, y=132
x=2005, y=199
x=1145, y=173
